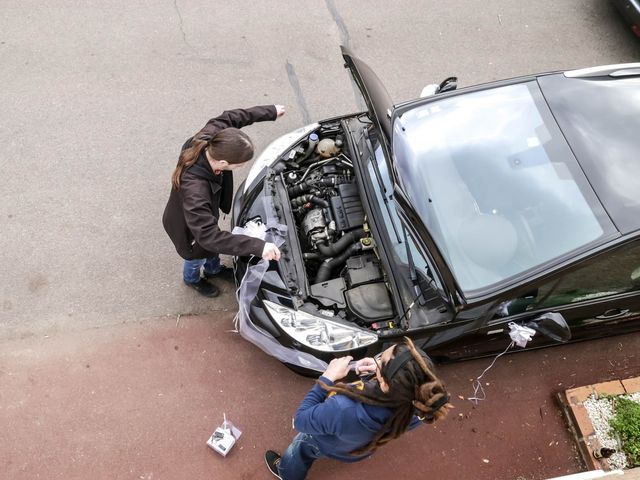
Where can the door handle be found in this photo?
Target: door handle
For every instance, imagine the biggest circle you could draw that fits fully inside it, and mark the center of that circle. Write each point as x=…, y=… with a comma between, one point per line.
x=613, y=313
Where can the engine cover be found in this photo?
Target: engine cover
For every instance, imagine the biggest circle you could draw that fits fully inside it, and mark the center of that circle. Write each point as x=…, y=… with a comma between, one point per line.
x=370, y=303
x=347, y=207
x=362, y=269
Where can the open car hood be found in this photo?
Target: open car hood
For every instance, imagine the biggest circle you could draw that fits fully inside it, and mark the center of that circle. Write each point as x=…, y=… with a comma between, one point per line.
x=381, y=109
x=375, y=94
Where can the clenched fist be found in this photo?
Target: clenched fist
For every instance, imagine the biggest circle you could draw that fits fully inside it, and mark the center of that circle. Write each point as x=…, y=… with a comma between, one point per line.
x=271, y=252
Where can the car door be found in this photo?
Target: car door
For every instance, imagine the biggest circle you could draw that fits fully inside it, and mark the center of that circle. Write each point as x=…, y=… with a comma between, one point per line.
x=600, y=297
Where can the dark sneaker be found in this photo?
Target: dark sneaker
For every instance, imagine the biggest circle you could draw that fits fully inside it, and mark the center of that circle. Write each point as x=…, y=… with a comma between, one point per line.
x=204, y=288
x=272, y=459
x=225, y=274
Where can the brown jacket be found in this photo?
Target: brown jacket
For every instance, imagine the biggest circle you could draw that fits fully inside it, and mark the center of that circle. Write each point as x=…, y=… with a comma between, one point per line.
x=191, y=215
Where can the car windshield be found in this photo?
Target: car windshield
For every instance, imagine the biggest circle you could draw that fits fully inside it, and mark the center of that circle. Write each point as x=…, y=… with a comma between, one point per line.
x=495, y=183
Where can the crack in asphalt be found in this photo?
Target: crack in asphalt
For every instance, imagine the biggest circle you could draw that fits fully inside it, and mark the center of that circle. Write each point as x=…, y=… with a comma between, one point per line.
x=181, y=24
x=295, y=85
x=344, y=31
x=346, y=41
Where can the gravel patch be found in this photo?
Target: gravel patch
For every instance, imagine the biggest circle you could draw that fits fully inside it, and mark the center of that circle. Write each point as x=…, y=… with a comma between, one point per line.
x=600, y=411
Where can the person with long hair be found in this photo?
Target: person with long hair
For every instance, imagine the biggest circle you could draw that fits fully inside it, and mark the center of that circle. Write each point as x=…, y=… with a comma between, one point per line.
x=348, y=422
x=202, y=186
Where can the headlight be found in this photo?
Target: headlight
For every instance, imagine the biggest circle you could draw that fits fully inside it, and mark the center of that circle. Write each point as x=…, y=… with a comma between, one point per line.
x=319, y=333
x=274, y=150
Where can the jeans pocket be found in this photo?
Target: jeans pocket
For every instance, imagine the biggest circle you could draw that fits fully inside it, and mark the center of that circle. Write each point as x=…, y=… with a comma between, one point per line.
x=312, y=446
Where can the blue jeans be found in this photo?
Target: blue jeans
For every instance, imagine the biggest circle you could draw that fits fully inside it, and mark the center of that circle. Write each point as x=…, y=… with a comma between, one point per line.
x=191, y=268
x=298, y=458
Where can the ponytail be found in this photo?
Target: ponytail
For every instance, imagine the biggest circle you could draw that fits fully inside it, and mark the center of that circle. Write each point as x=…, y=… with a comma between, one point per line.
x=188, y=157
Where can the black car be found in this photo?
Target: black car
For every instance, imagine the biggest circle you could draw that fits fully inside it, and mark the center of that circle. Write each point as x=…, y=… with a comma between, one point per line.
x=449, y=217
x=630, y=10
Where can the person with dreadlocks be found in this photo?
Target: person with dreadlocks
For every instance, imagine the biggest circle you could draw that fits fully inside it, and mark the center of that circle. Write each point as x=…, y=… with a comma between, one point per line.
x=201, y=186
x=348, y=422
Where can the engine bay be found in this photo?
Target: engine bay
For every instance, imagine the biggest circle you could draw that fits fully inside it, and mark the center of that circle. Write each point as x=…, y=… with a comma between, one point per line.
x=342, y=266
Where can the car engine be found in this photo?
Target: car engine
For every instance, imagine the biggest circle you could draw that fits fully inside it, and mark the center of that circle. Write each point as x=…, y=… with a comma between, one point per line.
x=339, y=253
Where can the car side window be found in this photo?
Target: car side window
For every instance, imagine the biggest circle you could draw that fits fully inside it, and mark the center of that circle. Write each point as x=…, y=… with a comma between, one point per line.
x=609, y=274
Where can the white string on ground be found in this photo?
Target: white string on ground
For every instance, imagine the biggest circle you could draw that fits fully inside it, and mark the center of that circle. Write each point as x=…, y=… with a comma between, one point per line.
x=477, y=384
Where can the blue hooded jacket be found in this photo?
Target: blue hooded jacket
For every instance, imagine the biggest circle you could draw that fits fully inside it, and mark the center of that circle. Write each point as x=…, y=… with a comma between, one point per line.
x=339, y=424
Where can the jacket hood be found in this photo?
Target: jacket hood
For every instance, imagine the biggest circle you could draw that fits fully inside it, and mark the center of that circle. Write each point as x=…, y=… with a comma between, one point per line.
x=372, y=417
x=202, y=168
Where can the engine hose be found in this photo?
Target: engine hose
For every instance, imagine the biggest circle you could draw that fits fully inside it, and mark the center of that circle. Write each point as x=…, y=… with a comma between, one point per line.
x=312, y=256
x=299, y=201
x=333, y=249
x=308, y=184
x=324, y=271
x=333, y=180
x=299, y=189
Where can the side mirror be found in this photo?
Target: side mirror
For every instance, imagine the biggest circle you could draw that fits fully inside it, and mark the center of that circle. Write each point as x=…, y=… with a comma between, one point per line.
x=552, y=325
x=447, y=84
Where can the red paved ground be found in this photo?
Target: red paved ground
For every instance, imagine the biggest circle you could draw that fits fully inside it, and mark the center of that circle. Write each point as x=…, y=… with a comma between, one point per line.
x=139, y=401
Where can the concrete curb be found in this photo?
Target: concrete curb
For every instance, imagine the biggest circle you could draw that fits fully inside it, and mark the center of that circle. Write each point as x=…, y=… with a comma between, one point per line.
x=571, y=402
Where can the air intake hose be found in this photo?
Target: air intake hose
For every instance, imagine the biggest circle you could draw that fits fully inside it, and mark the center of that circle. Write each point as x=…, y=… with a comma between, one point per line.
x=308, y=184
x=299, y=189
x=333, y=249
x=311, y=256
x=300, y=201
x=324, y=271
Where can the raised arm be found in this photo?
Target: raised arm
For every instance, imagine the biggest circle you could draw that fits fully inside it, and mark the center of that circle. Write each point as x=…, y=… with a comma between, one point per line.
x=241, y=117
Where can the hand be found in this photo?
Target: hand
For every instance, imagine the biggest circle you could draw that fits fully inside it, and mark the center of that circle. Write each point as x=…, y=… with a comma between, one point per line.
x=279, y=110
x=366, y=366
x=338, y=368
x=271, y=252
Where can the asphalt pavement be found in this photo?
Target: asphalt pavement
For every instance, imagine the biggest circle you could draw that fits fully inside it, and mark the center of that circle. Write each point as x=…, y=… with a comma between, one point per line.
x=98, y=97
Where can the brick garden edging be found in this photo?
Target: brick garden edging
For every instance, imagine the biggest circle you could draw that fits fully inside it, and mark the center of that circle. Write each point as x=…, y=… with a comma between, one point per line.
x=571, y=401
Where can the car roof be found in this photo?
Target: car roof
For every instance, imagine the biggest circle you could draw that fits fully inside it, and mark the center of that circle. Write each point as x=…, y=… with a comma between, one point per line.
x=599, y=114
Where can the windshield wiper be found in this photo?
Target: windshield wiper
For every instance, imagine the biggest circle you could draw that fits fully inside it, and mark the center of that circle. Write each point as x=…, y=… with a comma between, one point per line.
x=413, y=272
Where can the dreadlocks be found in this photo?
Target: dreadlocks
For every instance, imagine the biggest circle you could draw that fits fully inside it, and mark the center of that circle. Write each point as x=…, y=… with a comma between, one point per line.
x=413, y=389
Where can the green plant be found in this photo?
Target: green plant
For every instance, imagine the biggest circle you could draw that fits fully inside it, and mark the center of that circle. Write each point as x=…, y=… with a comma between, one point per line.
x=626, y=424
